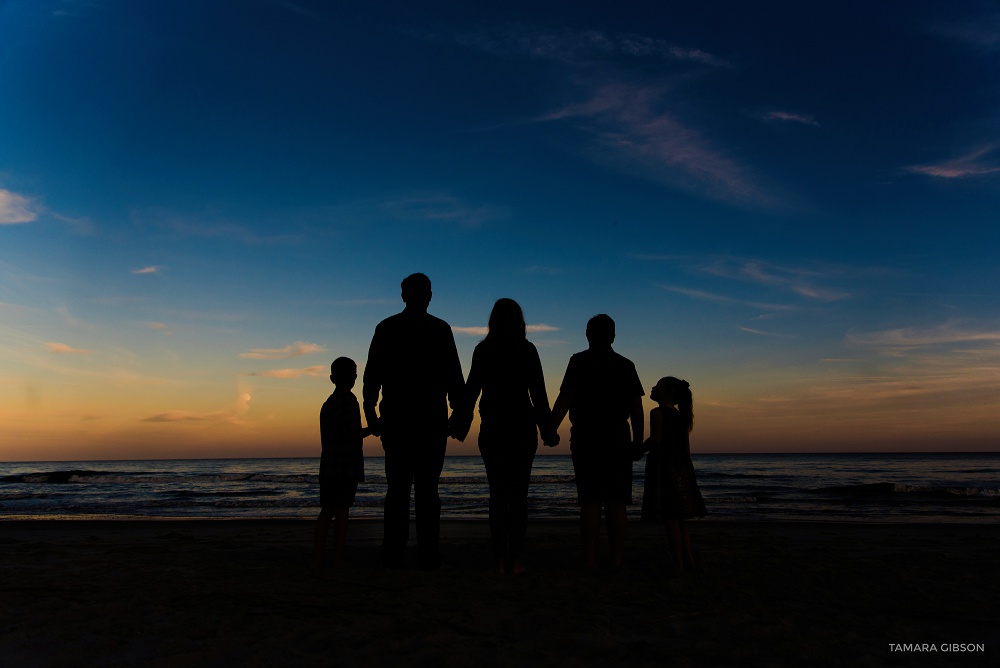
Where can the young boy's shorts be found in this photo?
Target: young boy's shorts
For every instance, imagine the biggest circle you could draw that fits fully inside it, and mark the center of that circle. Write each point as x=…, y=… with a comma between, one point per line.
x=337, y=493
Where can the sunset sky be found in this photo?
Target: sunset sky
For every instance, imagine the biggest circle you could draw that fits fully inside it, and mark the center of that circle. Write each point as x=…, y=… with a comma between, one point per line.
x=794, y=206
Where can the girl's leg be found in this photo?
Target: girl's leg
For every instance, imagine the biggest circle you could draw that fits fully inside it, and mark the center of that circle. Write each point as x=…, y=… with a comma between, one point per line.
x=688, y=552
x=322, y=526
x=675, y=536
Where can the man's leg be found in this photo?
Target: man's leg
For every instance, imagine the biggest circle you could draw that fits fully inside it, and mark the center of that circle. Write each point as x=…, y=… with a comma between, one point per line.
x=396, y=511
x=426, y=502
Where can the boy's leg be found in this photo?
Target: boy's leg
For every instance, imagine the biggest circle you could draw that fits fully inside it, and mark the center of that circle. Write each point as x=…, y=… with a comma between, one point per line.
x=590, y=526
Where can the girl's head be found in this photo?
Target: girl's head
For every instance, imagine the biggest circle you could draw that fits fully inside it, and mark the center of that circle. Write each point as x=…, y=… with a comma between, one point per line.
x=507, y=321
x=675, y=392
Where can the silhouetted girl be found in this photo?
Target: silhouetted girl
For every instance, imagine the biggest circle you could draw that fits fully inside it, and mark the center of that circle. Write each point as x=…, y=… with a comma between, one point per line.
x=508, y=373
x=680, y=498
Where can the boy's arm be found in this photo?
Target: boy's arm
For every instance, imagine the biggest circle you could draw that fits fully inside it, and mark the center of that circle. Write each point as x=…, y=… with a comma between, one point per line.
x=559, y=410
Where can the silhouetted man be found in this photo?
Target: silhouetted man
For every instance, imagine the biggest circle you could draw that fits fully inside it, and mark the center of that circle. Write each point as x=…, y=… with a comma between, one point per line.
x=602, y=393
x=414, y=363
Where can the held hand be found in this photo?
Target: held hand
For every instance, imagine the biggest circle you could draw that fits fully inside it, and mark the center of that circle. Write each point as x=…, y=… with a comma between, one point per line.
x=638, y=450
x=550, y=439
x=458, y=426
x=375, y=427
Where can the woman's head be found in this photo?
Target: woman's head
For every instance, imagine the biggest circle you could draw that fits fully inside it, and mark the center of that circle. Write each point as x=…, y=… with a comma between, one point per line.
x=507, y=321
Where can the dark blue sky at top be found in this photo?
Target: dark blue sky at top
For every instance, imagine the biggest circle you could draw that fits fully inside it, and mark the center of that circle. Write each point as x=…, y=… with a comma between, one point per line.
x=745, y=186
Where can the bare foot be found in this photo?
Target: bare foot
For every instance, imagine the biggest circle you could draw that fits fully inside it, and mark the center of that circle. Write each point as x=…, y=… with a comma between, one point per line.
x=501, y=567
x=516, y=567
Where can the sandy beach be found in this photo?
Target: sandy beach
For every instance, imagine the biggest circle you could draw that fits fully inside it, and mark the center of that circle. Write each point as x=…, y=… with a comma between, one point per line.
x=230, y=592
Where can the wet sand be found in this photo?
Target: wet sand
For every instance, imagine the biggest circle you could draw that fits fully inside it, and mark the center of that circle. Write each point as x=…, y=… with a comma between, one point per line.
x=240, y=593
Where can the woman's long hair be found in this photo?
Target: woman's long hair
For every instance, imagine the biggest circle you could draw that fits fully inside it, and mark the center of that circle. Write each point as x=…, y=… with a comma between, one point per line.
x=681, y=391
x=506, y=322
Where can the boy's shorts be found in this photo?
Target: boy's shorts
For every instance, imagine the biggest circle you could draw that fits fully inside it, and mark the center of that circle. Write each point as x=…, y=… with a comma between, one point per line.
x=337, y=493
x=603, y=476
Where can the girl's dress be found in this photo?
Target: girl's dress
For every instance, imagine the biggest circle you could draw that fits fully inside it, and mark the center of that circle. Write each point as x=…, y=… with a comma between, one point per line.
x=680, y=497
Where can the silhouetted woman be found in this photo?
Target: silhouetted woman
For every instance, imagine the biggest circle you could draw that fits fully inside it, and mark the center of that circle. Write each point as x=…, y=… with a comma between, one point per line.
x=680, y=498
x=508, y=373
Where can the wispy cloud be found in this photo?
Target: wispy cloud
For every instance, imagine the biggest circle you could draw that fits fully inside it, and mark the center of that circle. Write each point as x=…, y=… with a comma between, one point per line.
x=147, y=270
x=483, y=331
x=319, y=370
x=155, y=325
x=902, y=340
x=441, y=208
x=295, y=350
x=981, y=31
x=232, y=414
x=15, y=209
x=979, y=162
x=575, y=46
x=722, y=299
x=212, y=226
x=64, y=349
x=798, y=280
x=759, y=332
x=791, y=117
x=632, y=133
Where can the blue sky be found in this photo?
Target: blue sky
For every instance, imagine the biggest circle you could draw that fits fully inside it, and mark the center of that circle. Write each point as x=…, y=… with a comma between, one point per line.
x=791, y=205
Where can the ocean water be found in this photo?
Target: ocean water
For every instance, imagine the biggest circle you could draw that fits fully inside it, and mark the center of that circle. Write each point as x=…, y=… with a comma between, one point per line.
x=952, y=487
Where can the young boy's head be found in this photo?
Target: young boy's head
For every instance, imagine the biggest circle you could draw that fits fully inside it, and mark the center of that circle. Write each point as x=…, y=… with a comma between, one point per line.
x=343, y=372
x=601, y=331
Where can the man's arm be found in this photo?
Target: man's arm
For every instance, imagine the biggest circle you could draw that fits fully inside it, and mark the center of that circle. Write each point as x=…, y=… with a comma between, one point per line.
x=454, y=379
x=637, y=418
x=372, y=385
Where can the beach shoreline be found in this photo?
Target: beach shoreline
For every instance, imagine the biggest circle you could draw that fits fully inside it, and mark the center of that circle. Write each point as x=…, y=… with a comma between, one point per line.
x=166, y=592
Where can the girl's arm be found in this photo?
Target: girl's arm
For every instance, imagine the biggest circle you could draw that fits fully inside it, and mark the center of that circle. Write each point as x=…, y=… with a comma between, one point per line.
x=655, y=428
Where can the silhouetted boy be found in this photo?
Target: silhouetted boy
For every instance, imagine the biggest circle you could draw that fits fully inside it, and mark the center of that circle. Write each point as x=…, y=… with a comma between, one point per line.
x=603, y=395
x=342, y=462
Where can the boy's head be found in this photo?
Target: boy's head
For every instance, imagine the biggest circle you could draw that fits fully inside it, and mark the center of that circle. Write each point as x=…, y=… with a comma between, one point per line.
x=343, y=372
x=601, y=331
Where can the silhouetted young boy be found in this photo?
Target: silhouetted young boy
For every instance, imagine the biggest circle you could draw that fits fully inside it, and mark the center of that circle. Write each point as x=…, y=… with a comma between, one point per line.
x=342, y=463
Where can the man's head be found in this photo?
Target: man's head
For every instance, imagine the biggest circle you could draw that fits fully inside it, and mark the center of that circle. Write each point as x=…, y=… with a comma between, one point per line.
x=600, y=331
x=416, y=290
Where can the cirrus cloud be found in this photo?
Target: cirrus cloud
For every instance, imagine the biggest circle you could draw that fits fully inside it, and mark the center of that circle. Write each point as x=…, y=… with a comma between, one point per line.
x=15, y=209
x=483, y=331
x=316, y=371
x=295, y=350
x=64, y=349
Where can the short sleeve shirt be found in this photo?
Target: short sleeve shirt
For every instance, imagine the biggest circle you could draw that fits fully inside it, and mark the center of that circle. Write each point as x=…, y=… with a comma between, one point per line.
x=343, y=458
x=602, y=385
